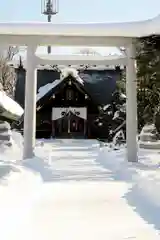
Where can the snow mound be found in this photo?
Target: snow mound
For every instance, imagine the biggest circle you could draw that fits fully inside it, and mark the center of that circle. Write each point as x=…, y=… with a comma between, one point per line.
x=71, y=72
x=13, y=153
x=148, y=185
x=17, y=138
x=10, y=108
x=144, y=174
x=149, y=137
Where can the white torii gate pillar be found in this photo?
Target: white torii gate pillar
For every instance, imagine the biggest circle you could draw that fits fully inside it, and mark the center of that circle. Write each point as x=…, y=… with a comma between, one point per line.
x=131, y=118
x=30, y=104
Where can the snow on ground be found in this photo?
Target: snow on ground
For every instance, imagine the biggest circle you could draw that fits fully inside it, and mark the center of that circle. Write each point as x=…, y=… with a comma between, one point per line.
x=75, y=189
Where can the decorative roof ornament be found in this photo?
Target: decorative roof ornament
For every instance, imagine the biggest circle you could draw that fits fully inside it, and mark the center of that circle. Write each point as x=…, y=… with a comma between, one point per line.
x=69, y=71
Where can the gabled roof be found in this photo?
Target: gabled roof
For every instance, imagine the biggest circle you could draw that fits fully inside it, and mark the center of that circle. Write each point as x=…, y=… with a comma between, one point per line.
x=45, y=92
x=42, y=91
x=99, y=91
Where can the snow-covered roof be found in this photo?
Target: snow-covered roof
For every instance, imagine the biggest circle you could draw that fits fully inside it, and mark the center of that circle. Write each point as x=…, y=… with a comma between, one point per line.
x=42, y=91
x=71, y=72
x=123, y=29
x=44, y=33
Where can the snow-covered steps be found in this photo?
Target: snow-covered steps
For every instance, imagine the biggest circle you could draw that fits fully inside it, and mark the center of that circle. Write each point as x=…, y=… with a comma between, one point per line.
x=68, y=144
x=70, y=160
x=5, y=134
x=149, y=145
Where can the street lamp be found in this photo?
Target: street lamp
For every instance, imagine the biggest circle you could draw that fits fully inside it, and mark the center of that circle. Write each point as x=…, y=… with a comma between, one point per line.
x=49, y=8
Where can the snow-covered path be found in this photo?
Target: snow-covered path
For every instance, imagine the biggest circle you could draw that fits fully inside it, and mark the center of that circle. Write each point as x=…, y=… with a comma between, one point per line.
x=71, y=160
x=79, y=198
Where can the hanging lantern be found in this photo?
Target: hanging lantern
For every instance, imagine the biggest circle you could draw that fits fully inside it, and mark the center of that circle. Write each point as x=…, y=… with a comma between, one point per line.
x=49, y=7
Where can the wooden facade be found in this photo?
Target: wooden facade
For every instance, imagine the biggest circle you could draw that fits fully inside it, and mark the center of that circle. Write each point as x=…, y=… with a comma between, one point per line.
x=66, y=111
x=70, y=109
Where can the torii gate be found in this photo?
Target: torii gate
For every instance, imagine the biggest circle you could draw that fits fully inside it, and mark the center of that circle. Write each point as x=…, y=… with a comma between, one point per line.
x=98, y=34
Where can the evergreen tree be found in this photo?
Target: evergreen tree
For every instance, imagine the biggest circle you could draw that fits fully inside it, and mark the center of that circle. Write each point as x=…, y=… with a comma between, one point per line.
x=148, y=78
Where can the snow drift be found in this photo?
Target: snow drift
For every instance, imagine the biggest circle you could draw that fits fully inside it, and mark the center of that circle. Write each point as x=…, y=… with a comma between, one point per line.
x=143, y=176
x=145, y=173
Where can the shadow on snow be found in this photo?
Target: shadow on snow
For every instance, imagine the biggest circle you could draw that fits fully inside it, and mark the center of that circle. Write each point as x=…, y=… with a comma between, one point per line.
x=135, y=197
x=97, y=165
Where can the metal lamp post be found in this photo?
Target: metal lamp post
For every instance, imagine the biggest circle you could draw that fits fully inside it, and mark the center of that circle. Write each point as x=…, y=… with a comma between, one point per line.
x=49, y=8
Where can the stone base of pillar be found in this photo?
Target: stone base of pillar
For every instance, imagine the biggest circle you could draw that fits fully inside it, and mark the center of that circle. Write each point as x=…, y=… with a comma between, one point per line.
x=149, y=138
x=5, y=134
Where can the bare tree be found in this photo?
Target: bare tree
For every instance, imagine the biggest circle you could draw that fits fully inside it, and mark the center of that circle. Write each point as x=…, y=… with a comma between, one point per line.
x=7, y=71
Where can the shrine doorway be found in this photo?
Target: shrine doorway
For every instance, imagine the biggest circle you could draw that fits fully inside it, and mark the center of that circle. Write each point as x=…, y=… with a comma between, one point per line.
x=70, y=125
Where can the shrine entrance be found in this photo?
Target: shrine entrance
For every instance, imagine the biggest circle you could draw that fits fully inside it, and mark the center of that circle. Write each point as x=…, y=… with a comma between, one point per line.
x=69, y=122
